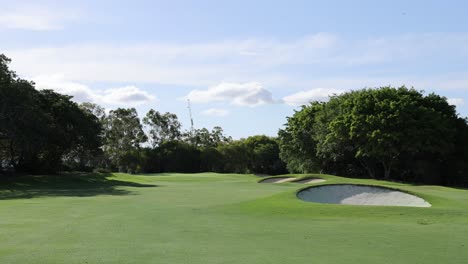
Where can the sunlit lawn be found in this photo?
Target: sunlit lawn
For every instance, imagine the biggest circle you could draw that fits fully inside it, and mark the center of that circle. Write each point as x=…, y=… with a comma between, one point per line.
x=219, y=218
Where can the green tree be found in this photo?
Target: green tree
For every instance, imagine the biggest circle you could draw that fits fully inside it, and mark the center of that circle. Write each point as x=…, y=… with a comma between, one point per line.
x=72, y=132
x=234, y=156
x=298, y=140
x=211, y=159
x=24, y=126
x=163, y=127
x=385, y=131
x=205, y=138
x=123, y=136
x=39, y=129
x=379, y=125
x=263, y=153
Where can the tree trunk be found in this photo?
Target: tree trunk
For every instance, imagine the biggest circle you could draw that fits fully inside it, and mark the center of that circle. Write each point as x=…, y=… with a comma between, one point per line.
x=387, y=169
x=369, y=169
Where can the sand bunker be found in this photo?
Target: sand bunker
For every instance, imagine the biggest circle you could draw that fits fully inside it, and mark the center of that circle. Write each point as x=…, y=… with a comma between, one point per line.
x=359, y=195
x=310, y=180
x=278, y=180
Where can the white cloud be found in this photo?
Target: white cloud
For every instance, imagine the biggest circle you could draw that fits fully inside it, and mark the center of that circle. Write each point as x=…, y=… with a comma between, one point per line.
x=456, y=101
x=242, y=94
x=215, y=112
x=128, y=95
x=304, y=97
x=36, y=18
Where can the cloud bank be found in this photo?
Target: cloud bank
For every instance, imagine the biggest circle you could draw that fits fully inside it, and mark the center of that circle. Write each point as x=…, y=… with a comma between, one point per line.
x=127, y=95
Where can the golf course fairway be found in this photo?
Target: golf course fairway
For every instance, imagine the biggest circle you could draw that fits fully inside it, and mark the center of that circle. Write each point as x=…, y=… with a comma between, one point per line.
x=220, y=218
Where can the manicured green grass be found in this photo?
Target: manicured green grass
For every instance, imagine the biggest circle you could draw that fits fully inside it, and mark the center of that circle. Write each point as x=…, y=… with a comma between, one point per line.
x=220, y=218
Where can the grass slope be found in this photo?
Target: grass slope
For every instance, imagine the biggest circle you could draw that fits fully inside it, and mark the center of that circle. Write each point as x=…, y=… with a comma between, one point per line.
x=220, y=218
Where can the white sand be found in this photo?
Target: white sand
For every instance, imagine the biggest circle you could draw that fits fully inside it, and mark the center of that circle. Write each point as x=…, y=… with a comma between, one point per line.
x=311, y=180
x=360, y=195
x=278, y=180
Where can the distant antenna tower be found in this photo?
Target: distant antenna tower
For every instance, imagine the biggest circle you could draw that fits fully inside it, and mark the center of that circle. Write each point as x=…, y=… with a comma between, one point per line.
x=190, y=113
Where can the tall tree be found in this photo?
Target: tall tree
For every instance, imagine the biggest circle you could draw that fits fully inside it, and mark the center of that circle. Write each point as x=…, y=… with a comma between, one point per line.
x=298, y=140
x=381, y=124
x=38, y=129
x=23, y=124
x=72, y=131
x=162, y=127
x=123, y=136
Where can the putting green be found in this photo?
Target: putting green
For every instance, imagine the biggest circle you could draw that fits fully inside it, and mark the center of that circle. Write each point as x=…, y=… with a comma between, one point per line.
x=220, y=218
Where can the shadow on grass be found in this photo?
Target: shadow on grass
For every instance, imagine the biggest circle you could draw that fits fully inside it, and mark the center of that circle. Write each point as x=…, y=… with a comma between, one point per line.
x=73, y=185
x=161, y=174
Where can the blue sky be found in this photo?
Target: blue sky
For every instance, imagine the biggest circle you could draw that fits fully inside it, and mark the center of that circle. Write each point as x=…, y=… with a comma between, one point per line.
x=245, y=65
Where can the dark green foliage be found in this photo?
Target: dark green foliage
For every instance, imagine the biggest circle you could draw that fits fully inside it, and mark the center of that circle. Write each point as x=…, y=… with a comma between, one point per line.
x=263, y=153
x=73, y=135
x=256, y=154
x=177, y=156
x=211, y=159
x=235, y=158
x=297, y=141
x=388, y=132
x=6, y=75
x=23, y=124
x=150, y=160
x=42, y=130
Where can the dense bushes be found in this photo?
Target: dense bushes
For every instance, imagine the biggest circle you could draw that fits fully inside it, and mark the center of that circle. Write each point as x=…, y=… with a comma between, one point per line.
x=239, y=156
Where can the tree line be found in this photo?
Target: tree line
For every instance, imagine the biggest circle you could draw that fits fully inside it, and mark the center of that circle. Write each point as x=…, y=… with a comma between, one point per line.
x=390, y=133
x=46, y=132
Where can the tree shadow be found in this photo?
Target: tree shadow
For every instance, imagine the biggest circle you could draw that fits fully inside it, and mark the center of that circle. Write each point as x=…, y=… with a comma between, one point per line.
x=161, y=174
x=70, y=184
